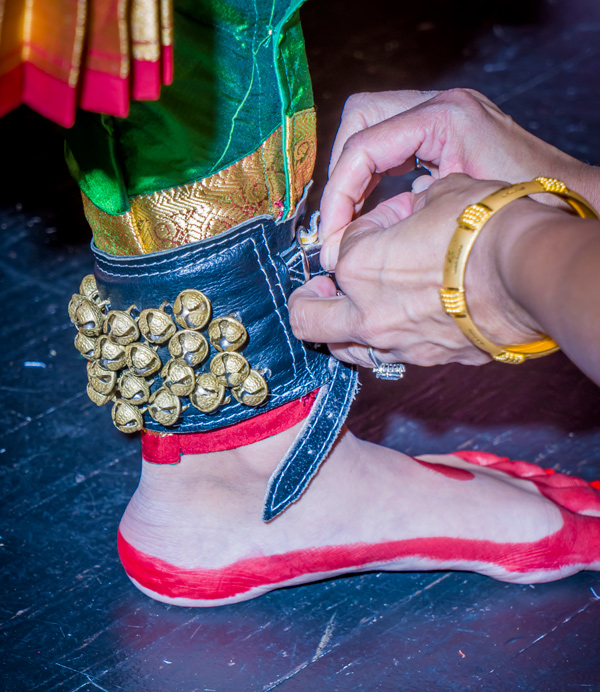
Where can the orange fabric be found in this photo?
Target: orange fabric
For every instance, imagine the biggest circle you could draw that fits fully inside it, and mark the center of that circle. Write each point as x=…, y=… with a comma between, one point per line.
x=57, y=55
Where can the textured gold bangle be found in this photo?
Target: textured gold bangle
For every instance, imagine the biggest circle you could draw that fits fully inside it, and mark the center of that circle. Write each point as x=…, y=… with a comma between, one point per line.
x=470, y=223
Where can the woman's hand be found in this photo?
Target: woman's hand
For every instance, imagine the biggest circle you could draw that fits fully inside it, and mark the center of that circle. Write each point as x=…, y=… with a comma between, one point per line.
x=390, y=270
x=456, y=131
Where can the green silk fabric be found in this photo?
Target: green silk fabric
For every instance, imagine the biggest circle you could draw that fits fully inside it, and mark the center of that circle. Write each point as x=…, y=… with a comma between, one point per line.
x=240, y=70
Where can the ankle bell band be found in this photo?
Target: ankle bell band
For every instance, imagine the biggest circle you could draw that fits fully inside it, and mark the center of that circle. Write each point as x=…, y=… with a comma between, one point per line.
x=198, y=338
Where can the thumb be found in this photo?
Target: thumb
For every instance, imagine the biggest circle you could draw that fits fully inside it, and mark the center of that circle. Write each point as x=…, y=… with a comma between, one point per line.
x=318, y=314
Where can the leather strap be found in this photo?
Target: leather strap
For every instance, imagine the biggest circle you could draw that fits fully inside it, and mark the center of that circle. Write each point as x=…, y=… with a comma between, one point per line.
x=249, y=271
x=312, y=444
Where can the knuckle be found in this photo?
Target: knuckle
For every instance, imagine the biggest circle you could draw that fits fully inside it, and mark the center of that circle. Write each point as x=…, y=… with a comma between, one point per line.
x=350, y=266
x=369, y=328
x=353, y=145
x=464, y=102
x=454, y=179
x=356, y=102
x=463, y=97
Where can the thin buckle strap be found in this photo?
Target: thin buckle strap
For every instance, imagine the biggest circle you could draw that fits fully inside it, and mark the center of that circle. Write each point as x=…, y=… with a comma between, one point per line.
x=312, y=444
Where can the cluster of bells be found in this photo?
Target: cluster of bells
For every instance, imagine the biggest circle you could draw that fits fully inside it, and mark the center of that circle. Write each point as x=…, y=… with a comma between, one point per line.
x=122, y=354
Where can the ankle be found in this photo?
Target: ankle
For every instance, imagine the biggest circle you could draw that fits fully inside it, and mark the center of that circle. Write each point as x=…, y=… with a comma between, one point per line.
x=251, y=463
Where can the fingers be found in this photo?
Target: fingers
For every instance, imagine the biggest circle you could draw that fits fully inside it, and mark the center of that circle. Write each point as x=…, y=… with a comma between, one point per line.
x=365, y=110
x=380, y=148
x=318, y=315
x=351, y=353
x=422, y=183
x=384, y=215
x=454, y=131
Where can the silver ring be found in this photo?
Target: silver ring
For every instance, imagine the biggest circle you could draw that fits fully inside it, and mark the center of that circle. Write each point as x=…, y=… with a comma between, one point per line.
x=386, y=371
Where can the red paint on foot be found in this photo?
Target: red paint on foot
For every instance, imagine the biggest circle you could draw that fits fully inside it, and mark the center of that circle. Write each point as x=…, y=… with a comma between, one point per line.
x=576, y=544
x=566, y=491
x=448, y=471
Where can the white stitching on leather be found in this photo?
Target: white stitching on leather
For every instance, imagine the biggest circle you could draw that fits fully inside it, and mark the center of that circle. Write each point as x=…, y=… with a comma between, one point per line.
x=197, y=250
x=284, y=298
x=287, y=338
x=313, y=468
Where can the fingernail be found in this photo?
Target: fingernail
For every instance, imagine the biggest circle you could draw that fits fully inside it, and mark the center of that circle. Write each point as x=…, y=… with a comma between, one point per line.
x=326, y=258
x=421, y=183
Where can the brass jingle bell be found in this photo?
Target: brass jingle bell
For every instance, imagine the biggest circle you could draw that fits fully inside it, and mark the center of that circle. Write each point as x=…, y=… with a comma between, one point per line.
x=208, y=394
x=121, y=327
x=89, y=288
x=102, y=380
x=110, y=355
x=85, y=345
x=74, y=303
x=142, y=360
x=192, y=309
x=156, y=325
x=227, y=334
x=178, y=377
x=164, y=407
x=127, y=418
x=134, y=389
x=97, y=398
x=230, y=368
x=253, y=390
x=189, y=345
x=87, y=316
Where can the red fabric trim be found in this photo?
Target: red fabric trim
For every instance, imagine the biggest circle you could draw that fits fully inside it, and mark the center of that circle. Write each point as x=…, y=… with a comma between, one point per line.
x=159, y=448
x=167, y=64
x=104, y=93
x=145, y=80
x=49, y=96
x=11, y=89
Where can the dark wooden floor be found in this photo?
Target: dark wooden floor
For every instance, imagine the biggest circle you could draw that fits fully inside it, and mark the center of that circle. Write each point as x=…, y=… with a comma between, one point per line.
x=71, y=621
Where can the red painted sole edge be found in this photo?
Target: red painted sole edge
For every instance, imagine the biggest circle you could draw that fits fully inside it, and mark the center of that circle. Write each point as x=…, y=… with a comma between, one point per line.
x=575, y=546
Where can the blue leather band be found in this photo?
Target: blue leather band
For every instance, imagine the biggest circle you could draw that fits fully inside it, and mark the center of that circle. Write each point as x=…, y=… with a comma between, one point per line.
x=249, y=271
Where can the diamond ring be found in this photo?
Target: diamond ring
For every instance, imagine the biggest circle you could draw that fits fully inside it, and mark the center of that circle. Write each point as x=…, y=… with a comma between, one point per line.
x=386, y=371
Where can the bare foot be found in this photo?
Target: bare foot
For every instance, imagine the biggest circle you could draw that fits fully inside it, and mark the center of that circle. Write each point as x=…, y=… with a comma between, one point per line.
x=193, y=535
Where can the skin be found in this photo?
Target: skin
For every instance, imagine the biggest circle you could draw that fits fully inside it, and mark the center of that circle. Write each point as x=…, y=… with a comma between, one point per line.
x=203, y=516
x=455, y=131
x=532, y=270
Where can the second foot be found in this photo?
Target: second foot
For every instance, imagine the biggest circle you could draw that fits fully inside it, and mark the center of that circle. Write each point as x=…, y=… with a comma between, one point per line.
x=193, y=535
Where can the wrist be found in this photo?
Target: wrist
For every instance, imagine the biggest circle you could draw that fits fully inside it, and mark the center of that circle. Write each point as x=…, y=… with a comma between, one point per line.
x=493, y=273
x=584, y=179
x=537, y=265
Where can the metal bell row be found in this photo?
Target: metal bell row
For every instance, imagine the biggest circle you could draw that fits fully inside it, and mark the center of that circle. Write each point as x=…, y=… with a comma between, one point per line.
x=121, y=364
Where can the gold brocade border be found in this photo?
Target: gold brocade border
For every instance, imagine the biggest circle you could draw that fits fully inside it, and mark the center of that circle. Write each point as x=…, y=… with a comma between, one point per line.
x=145, y=23
x=188, y=213
x=166, y=22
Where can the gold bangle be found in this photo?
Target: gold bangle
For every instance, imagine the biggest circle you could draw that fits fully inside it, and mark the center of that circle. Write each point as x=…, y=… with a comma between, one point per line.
x=470, y=223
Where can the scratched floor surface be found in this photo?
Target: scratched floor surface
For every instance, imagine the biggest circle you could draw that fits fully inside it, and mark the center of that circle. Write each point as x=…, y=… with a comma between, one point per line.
x=71, y=621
